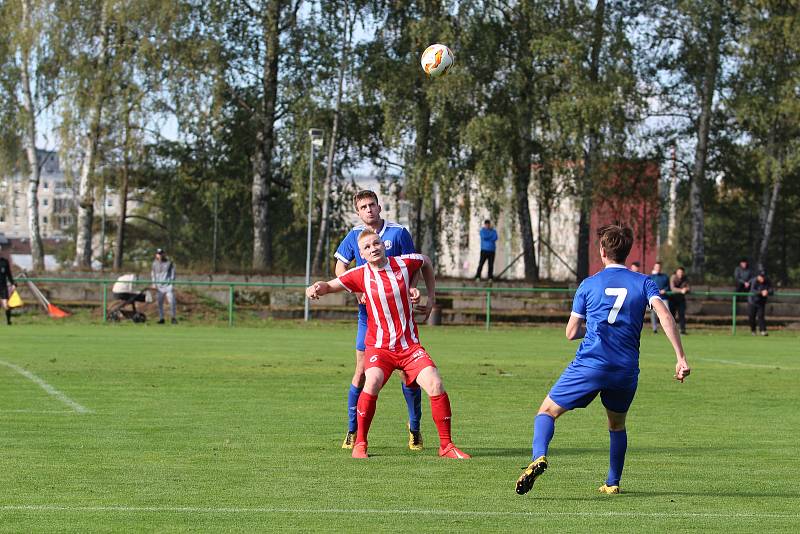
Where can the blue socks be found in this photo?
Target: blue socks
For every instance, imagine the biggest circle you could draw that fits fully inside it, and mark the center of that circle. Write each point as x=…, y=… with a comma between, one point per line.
x=414, y=401
x=352, y=401
x=616, y=456
x=544, y=427
x=413, y=398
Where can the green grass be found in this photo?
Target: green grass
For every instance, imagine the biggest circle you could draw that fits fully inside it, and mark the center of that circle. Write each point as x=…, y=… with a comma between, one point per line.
x=210, y=428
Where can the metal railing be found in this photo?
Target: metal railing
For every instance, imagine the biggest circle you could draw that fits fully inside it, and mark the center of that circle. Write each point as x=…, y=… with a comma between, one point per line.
x=488, y=290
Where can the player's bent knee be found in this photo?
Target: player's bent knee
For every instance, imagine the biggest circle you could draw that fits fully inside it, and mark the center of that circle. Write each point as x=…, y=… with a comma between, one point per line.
x=373, y=381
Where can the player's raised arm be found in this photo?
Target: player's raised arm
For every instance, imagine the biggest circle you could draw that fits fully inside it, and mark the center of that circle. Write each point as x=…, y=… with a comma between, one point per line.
x=318, y=289
x=682, y=369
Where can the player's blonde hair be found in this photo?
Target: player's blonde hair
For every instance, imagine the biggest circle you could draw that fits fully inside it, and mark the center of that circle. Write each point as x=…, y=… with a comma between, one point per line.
x=367, y=232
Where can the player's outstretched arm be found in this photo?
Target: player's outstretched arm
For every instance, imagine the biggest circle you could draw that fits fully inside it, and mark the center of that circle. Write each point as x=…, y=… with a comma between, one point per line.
x=576, y=327
x=317, y=289
x=682, y=369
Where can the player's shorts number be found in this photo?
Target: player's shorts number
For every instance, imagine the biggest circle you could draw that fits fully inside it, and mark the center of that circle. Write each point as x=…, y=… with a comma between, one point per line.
x=620, y=293
x=373, y=359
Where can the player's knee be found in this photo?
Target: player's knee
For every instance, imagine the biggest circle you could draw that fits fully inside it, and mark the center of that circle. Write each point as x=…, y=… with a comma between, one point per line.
x=436, y=387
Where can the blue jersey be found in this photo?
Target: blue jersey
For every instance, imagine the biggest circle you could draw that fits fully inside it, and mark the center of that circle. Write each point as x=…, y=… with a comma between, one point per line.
x=613, y=303
x=395, y=238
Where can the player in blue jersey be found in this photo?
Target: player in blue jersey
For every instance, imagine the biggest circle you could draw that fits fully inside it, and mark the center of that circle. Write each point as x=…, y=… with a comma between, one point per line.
x=608, y=313
x=397, y=241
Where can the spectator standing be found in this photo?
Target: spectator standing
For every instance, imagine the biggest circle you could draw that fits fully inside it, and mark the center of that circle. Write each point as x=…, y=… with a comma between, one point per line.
x=760, y=289
x=679, y=286
x=6, y=287
x=488, y=247
x=662, y=283
x=743, y=274
x=162, y=275
x=636, y=267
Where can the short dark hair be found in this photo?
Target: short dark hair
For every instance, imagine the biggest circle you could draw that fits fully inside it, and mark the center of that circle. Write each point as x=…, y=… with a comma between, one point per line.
x=680, y=268
x=636, y=263
x=658, y=263
x=361, y=195
x=616, y=240
x=487, y=221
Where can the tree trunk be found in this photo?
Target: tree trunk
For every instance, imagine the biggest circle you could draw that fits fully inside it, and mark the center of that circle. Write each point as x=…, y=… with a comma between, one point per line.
x=521, y=160
x=706, y=97
x=590, y=155
x=83, y=242
x=265, y=141
x=766, y=229
x=672, y=221
x=424, y=232
x=123, y=196
x=328, y=183
x=29, y=136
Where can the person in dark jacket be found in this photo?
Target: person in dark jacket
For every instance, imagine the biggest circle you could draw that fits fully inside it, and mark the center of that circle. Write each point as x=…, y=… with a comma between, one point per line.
x=488, y=238
x=743, y=274
x=760, y=289
x=6, y=286
x=679, y=286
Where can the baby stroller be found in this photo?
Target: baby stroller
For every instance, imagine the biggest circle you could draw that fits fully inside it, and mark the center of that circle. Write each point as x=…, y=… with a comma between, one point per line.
x=127, y=295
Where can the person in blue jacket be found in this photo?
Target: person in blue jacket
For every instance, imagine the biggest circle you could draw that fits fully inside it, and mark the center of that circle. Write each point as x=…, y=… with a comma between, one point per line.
x=488, y=240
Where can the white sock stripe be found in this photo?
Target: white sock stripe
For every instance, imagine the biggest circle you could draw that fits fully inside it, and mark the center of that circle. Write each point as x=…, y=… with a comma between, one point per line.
x=47, y=387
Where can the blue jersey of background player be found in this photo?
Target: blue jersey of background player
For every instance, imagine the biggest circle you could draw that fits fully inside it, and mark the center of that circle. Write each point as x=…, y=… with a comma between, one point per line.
x=608, y=313
x=397, y=241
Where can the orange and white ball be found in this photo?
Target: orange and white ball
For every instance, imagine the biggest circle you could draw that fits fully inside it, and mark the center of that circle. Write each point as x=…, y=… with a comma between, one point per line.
x=436, y=60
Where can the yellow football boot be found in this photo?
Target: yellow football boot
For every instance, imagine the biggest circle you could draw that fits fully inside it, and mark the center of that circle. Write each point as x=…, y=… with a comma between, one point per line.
x=349, y=440
x=414, y=439
x=531, y=473
x=609, y=490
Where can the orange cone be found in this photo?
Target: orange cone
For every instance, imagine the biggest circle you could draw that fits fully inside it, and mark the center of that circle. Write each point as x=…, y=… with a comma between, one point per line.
x=56, y=312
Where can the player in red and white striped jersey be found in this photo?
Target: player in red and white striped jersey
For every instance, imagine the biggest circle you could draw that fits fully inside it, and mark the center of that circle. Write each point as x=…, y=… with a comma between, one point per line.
x=392, y=338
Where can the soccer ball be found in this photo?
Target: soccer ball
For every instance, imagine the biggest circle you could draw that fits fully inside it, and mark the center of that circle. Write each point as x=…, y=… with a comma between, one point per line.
x=437, y=60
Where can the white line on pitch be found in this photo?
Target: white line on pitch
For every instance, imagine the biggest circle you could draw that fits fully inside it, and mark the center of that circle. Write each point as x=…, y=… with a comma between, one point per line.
x=36, y=411
x=336, y=511
x=746, y=364
x=47, y=387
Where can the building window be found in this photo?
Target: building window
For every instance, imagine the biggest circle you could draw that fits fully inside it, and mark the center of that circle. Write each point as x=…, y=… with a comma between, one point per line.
x=46, y=185
x=44, y=220
x=110, y=203
x=44, y=202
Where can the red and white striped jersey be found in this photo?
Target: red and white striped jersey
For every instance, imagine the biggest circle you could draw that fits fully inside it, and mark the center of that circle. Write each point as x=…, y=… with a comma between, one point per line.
x=390, y=324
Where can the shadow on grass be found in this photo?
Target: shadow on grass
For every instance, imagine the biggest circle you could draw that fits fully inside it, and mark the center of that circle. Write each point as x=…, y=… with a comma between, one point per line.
x=602, y=449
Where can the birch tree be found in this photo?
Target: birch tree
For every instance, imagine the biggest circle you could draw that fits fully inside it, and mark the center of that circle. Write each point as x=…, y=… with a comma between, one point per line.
x=766, y=101
x=28, y=61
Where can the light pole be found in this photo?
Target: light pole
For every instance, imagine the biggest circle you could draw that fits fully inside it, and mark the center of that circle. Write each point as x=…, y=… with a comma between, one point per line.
x=315, y=135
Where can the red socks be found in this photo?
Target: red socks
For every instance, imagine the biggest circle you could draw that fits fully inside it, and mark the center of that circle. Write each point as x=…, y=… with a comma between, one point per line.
x=365, y=409
x=440, y=410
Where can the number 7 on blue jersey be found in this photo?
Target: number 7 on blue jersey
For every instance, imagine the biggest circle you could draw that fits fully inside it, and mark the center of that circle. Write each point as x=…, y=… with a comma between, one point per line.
x=620, y=293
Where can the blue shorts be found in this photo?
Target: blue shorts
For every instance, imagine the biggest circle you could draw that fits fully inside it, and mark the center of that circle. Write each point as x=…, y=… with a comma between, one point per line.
x=361, y=334
x=579, y=385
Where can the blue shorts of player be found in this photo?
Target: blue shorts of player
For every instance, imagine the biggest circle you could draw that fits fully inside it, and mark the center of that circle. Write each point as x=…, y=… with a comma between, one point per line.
x=579, y=385
x=361, y=333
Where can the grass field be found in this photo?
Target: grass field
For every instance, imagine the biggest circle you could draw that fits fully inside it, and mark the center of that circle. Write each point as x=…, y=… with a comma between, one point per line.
x=193, y=428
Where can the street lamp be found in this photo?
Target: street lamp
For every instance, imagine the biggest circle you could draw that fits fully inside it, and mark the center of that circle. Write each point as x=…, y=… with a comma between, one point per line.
x=315, y=135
